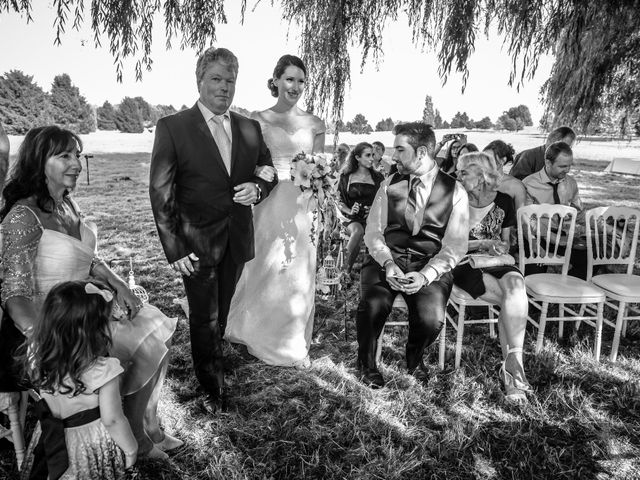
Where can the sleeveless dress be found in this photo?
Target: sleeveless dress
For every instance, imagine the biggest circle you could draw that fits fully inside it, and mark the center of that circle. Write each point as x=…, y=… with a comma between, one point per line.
x=92, y=452
x=273, y=306
x=139, y=344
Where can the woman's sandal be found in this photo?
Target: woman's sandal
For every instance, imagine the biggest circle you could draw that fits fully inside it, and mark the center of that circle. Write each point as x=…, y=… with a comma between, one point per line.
x=168, y=443
x=515, y=390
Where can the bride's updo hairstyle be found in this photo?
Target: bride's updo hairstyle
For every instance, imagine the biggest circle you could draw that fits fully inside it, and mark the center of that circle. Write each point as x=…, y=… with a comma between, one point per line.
x=284, y=62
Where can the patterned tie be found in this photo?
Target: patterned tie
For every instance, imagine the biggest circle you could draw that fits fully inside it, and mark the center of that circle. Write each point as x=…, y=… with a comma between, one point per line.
x=411, y=210
x=222, y=140
x=556, y=197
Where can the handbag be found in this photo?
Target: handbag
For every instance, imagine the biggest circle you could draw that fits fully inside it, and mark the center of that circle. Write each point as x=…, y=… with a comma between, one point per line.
x=486, y=261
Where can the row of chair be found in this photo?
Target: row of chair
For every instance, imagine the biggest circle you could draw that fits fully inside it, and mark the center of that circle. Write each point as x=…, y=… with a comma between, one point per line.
x=611, y=239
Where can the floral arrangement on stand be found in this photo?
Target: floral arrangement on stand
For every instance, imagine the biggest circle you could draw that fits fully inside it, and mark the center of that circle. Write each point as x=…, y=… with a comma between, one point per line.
x=313, y=174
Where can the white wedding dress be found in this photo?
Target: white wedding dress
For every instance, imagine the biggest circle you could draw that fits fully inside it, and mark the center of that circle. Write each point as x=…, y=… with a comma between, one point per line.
x=273, y=306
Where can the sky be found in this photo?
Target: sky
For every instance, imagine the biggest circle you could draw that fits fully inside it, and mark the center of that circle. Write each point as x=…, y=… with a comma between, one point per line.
x=398, y=85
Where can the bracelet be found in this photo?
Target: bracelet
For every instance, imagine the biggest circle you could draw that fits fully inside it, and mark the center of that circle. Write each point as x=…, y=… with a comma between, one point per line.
x=387, y=262
x=94, y=262
x=259, y=193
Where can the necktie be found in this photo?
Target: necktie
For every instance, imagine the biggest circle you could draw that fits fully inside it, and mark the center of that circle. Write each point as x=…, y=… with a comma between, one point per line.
x=222, y=140
x=556, y=197
x=411, y=210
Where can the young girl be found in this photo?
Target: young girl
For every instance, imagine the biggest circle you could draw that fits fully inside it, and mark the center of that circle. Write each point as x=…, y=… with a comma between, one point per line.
x=79, y=384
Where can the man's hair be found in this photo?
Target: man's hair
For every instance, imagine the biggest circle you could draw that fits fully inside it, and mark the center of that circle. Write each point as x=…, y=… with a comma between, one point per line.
x=379, y=144
x=419, y=134
x=560, y=133
x=555, y=149
x=211, y=55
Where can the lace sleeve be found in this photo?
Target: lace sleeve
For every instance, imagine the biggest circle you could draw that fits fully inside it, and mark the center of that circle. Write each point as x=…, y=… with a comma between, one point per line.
x=21, y=233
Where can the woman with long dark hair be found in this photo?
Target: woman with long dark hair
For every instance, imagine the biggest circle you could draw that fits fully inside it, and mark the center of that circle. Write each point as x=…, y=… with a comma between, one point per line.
x=357, y=188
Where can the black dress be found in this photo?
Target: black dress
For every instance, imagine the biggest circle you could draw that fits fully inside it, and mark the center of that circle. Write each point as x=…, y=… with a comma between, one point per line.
x=502, y=215
x=362, y=193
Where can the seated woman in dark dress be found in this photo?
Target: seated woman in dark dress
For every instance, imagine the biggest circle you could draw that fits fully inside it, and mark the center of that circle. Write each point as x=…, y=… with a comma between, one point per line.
x=491, y=216
x=357, y=188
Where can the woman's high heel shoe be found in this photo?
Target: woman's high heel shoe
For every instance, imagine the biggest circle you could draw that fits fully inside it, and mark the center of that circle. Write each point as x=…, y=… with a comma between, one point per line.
x=515, y=390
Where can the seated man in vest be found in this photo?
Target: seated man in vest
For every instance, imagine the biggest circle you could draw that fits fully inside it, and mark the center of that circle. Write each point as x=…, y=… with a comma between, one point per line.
x=532, y=160
x=416, y=233
x=553, y=184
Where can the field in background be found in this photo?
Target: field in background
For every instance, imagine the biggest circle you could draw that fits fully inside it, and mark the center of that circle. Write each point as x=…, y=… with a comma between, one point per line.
x=322, y=423
x=600, y=150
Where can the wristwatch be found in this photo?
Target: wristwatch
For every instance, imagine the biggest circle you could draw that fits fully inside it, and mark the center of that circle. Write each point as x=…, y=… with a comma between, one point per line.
x=387, y=262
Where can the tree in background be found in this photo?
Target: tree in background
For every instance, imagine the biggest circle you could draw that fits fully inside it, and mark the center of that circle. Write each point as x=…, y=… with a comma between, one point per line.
x=484, y=124
x=437, y=120
x=461, y=120
x=521, y=115
x=106, y=117
x=445, y=125
x=164, y=110
x=427, y=114
x=69, y=108
x=23, y=104
x=385, y=125
x=505, y=122
x=359, y=124
x=128, y=116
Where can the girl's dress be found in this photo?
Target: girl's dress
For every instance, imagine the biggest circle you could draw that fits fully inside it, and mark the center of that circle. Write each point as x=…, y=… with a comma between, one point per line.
x=92, y=453
x=34, y=259
x=362, y=193
x=486, y=223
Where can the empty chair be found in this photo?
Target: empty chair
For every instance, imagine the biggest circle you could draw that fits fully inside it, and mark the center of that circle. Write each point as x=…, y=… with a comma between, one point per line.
x=548, y=232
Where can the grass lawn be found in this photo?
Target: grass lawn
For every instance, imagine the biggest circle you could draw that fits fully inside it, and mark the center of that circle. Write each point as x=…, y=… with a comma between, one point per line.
x=583, y=421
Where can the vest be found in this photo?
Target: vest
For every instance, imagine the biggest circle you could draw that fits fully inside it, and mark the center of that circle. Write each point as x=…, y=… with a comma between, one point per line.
x=428, y=240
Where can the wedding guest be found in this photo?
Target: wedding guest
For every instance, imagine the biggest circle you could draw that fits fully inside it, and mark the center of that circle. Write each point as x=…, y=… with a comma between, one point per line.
x=378, y=153
x=502, y=154
x=532, y=160
x=79, y=382
x=416, y=233
x=491, y=217
x=357, y=187
x=46, y=241
x=340, y=155
x=4, y=156
x=552, y=184
x=449, y=164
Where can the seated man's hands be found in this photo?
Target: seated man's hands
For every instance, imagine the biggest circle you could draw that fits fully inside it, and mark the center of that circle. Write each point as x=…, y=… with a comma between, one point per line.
x=265, y=172
x=418, y=281
x=393, y=274
x=246, y=194
x=185, y=265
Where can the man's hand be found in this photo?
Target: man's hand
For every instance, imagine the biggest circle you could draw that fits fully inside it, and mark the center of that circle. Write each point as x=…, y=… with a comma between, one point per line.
x=355, y=209
x=393, y=275
x=265, y=172
x=185, y=265
x=418, y=281
x=246, y=194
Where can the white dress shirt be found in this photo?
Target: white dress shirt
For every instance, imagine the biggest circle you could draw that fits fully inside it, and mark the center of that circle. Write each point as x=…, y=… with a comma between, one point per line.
x=456, y=235
x=223, y=142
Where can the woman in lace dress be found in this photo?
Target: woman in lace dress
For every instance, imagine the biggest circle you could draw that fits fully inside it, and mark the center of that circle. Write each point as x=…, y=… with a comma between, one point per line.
x=45, y=241
x=273, y=307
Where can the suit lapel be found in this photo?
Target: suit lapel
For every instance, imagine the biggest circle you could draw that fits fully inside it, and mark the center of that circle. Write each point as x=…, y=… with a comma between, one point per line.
x=203, y=129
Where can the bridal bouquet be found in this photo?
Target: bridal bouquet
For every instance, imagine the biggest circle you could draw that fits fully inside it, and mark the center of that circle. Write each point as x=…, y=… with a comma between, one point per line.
x=313, y=174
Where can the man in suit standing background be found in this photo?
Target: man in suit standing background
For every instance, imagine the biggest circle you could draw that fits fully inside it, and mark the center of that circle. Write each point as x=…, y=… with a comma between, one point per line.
x=202, y=184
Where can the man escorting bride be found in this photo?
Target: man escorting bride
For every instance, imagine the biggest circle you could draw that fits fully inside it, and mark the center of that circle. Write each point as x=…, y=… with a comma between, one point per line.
x=273, y=307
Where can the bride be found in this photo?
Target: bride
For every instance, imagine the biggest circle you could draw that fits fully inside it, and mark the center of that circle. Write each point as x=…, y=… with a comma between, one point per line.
x=273, y=306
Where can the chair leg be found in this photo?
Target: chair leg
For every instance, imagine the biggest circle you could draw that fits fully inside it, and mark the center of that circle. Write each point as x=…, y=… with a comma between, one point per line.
x=16, y=431
x=442, y=347
x=625, y=322
x=542, y=323
x=459, y=336
x=622, y=306
x=560, y=322
x=492, y=326
x=599, y=321
x=379, y=346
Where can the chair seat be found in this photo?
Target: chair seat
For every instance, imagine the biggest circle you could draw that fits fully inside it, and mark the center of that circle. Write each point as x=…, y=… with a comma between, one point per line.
x=557, y=288
x=461, y=297
x=619, y=286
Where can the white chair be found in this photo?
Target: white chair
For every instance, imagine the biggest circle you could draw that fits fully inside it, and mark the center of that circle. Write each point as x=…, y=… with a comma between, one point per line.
x=460, y=300
x=14, y=405
x=399, y=303
x=612, y=239
x=538, y=222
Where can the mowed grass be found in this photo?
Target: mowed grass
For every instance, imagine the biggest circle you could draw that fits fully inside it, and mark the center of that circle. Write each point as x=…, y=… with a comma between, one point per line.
x=582, y=422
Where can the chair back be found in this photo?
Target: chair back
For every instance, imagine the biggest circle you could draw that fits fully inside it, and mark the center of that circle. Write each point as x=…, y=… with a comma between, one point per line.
x=612, y=237
x=539, y=223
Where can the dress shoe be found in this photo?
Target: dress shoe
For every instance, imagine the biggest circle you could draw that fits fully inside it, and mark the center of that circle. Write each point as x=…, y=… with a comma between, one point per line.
x=371, y=376
x=212, y=404
x=169, y=443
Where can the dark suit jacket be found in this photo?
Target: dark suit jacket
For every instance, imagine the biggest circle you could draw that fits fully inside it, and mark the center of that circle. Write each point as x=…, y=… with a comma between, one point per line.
x=192, y=192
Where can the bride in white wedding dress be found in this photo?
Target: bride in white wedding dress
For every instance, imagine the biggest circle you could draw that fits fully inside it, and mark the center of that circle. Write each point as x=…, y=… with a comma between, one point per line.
x=273, y=306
